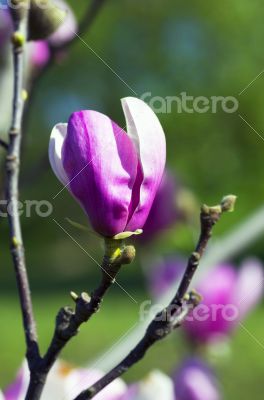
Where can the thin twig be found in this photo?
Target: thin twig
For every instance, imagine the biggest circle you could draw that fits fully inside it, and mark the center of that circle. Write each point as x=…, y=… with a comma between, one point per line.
x=12, y=184
x=173, y=315
x=68, y=320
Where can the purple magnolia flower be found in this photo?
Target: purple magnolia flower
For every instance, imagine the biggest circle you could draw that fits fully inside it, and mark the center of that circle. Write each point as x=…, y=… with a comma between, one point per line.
x=113, y=174
x=64, y=382
x=194, y=380
x=156, y=386
x=164, y=211
x=228, y=296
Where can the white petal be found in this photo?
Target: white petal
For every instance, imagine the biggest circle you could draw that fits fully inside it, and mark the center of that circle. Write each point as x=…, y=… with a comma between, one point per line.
x=54, y=388
x=80, y=379
x=55, y=147
x=250, y=286
x=156, y=386
x=145, y=130
x=18, y=388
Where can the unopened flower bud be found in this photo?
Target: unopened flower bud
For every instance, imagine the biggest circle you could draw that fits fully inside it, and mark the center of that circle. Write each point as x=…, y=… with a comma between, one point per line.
x=44, y=19
x=128, y=255
x=122, y=170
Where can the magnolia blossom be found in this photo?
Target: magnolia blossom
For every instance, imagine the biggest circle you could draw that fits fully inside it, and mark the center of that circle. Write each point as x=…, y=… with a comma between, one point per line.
x=229, y=294
x=155, y=386
x=67, y=29
x=112, y=173
x=194, y=380
x=64, y=382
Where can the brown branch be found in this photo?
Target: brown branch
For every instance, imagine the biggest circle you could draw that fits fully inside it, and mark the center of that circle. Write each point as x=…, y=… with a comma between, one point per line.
x=68, y=321
x=12, y=184
x=174, y=314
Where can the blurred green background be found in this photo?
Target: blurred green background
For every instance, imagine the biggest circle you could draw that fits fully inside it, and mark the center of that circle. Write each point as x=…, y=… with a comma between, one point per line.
x=169, y=47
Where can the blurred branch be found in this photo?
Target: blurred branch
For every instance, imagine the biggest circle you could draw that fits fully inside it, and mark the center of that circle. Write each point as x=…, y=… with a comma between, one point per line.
x=12, y=185
x=68, y=320
x=172, y=316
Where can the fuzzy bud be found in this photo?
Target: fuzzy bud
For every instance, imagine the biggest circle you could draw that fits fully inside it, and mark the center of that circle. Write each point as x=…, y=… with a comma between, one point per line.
x=228, y=203
x=128, y=255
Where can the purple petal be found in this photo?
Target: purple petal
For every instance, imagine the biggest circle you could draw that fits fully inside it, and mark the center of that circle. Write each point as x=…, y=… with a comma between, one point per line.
x=195, y=381
x=144, y=128
x=17, y=390
x=249, y=287
x=101, y=164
